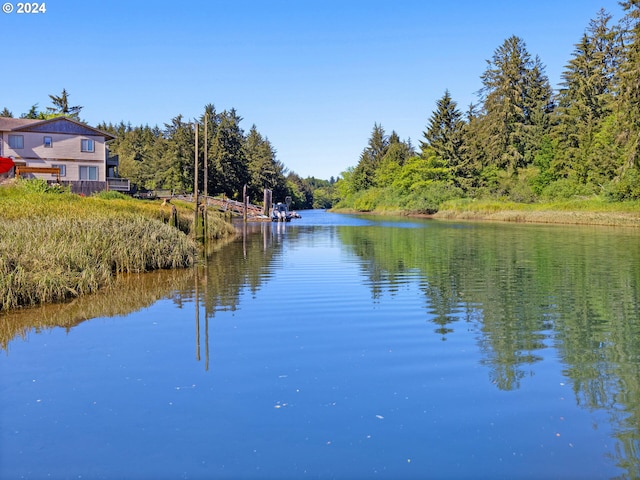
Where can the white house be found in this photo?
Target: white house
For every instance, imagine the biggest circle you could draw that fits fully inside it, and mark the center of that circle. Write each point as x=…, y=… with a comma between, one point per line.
x=79, y=151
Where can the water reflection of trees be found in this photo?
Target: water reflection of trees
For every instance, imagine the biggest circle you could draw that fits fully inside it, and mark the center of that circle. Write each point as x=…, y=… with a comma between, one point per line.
x=527, y=289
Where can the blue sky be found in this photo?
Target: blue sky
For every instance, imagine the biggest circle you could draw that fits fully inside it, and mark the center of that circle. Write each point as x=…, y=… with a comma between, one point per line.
x=313, y=76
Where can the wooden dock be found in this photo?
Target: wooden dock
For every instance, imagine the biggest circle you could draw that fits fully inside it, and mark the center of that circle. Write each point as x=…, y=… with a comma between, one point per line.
x=254, y=212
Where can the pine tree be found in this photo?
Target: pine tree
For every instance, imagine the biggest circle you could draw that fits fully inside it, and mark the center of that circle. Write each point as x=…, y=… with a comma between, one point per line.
x=265, y=171
x=629, y=99
x=516, y=96
x=180, y=137
x=585, y=102
x=229, y=161
x=444, y=132
x=363, y=176
x=33, y=113
x=61, y=106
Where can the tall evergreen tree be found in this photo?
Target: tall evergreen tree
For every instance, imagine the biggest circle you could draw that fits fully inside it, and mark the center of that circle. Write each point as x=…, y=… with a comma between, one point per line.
x=397, y=154
x=212, y=121
x=629, y=100
x=444, y=132
x=371, y=157
x=6, y=113
x=33, y=113
x=585, y=100
x=180, y=136
x=229, y=160
x=516, y=95
x=265, y=171
x=61, y=106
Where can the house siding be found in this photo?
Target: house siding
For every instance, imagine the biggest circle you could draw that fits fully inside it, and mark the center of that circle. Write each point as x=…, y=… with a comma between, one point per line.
x=66, y=149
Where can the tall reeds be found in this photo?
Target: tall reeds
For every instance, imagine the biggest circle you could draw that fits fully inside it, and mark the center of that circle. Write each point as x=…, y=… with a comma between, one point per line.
x=54, y=246
x=50, y=259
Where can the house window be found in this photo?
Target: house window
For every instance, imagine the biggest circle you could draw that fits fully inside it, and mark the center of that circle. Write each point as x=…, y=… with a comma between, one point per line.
x=16, y=141
x=88, y=173
x=87, y=145
x=48, y=142
x=63, y=169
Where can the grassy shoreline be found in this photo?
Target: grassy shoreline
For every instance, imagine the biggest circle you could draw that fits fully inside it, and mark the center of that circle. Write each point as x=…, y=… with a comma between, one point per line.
x=592, y=211
x=56, y=246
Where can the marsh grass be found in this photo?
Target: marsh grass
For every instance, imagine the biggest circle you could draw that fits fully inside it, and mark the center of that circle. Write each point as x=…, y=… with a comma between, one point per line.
x=585, y=211
x=54, y=246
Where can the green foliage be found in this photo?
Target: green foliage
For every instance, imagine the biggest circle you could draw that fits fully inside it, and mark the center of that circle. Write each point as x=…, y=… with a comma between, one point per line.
x=426, y=197
x=325, y=197
x=626, y=188
x=520, y=143
x=444, y=132
x=517, y=96
x=565, y=188
x=38, y=185
x=543, y=161
x=418, y=171
x=265, y=171
x=387, y=173
x=61, y=106
x=111, y=195
x=367, y=200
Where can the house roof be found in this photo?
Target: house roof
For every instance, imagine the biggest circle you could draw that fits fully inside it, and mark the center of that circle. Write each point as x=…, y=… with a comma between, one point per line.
x=52, y=125
x=7, y=124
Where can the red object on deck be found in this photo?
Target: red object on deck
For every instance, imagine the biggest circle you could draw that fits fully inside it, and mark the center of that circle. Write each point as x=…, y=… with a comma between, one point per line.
x=6, y=164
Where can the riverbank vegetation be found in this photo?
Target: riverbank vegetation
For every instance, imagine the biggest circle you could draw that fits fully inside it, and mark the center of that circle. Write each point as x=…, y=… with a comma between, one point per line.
x=522, y=143
x=56, y=245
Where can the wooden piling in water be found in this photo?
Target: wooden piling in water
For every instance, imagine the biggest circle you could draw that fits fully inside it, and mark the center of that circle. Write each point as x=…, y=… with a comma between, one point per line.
x=267, y=201
x=245, y=202
x=195, y=186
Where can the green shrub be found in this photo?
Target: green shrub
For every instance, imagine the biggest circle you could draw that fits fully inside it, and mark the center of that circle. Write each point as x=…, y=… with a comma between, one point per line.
x=566, y=188
x=426, y=197
x=38, y=185
x=111, y=195
x=366, y=200
x=627, y=188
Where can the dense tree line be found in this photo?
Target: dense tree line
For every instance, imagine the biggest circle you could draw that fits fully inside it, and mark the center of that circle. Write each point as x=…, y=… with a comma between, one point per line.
x=522, y=141
x=163, y=158
x=155, y=158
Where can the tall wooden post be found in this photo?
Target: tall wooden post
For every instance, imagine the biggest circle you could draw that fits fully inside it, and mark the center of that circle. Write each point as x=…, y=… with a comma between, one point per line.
x=206, y=177
x=206, y=158
x=244, y=202
x=267, y=200
x=195, y=186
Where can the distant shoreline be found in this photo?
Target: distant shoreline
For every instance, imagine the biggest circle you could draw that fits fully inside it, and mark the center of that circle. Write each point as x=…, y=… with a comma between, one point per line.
x=557, y=217
x=612, y=218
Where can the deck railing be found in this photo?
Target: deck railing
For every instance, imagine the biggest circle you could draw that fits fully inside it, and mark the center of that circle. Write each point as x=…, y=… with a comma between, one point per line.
x=118, y=184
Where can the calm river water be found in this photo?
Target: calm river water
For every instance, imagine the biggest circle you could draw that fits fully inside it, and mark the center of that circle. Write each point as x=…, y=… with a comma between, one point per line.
x=343, y=347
